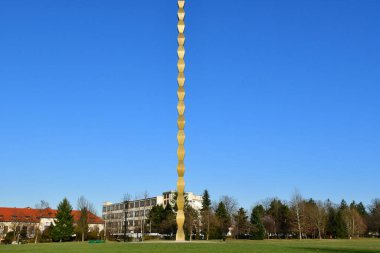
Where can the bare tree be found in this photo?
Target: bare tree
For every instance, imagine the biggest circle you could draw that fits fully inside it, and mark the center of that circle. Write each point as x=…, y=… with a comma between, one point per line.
x=192, y=220
x=296, y=203
x=15, y=226
x=321, y=219
x=85, y=207
x=269, y=225
x=266, y=203
x=318, y=216
x=231, y=204
x=126, y=197
x=354, y=222
x=41, y=206
x=374, y=217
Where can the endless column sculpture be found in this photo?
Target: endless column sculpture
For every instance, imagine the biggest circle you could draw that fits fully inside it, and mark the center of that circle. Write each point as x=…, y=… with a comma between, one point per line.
x=180, y=236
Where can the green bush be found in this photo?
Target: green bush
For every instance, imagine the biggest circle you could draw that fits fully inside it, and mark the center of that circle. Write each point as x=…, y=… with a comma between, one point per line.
x=9, y=237
x=93, y=235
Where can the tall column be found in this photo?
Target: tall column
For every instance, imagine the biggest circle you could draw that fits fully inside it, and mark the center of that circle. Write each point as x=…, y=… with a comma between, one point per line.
x=181, y=122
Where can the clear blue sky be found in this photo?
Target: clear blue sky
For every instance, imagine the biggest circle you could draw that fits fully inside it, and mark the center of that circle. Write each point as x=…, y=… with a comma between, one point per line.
x=280, y=95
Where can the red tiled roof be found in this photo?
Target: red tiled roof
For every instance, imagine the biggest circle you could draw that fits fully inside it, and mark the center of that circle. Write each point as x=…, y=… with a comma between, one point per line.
x=33, y=215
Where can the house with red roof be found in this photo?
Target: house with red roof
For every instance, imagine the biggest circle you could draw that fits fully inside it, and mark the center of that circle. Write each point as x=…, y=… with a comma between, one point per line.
x=30, y=219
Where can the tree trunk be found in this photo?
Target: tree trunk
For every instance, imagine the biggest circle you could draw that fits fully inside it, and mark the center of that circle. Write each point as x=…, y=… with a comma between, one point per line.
x=36, y=233
x=208, y=224
x=191, y=226
x=298, y=221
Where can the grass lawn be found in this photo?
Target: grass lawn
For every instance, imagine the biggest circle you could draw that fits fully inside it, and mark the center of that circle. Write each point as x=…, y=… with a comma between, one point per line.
x=267, y=246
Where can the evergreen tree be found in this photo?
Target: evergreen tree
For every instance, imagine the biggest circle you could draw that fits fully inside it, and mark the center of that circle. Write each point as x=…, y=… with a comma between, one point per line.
x=63, y=228
x=156, y=216
x=206, y=212
x=206, y=202
x=223, y=219
x=46, y=235
x=258, y=226
x=341, y=226
x=361, y=210
x=168, y=225
x=343, y=204
x=281, y=215
x=241, y=223
x=331, y=221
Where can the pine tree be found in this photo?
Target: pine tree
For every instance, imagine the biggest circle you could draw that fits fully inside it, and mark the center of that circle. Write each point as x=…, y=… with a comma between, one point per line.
x=361, y=209
x=223, y=219
x=206, y=204
x=331, y=229
x=168, y=225
x=341, y=226
x=241, y=223
x=156, y=216
x=63, y=228
x=256, y=216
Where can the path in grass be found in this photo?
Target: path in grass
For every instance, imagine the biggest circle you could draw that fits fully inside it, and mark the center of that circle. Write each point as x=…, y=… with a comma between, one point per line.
x=267, y=246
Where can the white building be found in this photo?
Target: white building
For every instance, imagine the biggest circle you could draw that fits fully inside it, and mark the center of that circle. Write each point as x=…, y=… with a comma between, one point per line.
x=135, y=212
x=31, y=220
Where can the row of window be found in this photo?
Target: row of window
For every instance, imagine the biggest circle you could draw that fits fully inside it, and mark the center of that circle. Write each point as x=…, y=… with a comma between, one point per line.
x=131, y=223
x=29, y=229
x=122, y=215
x=130, y=204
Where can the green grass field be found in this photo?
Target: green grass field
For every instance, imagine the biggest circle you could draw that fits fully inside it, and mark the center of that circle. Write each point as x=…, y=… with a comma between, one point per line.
x=268, y=246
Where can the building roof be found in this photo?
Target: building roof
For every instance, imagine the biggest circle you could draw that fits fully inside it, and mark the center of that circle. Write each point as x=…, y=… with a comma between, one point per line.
x=34, y=215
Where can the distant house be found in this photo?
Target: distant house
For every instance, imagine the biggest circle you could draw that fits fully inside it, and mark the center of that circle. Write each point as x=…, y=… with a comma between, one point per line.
x=30, y=219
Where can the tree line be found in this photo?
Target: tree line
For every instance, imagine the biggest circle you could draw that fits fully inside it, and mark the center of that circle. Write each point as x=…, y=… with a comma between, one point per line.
x=271, y=218
x=63, y=228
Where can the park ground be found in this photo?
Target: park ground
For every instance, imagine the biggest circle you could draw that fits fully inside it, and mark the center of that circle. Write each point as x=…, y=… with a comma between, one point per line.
x=267, y=246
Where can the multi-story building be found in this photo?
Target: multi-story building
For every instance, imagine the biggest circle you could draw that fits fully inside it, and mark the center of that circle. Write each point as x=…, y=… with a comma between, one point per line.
x=32, y=220
x=131, y=215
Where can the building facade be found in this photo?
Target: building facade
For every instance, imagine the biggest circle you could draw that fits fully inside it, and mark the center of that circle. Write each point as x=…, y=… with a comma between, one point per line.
x=131, y=216
x=31, y=220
